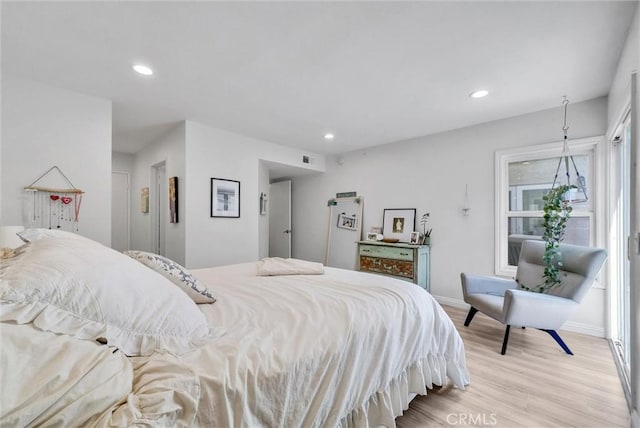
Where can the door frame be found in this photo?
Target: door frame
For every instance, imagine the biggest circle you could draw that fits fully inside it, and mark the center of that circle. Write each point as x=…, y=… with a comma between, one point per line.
x=155, y=208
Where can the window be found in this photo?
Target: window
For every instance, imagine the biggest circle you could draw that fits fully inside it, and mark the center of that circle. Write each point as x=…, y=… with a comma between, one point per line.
x=523, y=177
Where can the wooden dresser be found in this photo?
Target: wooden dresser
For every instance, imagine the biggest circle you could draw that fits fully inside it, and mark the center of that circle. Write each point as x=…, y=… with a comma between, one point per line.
x=404, y=261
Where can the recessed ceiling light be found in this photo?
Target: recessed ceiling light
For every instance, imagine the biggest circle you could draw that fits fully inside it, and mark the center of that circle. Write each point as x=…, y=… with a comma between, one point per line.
x=479, y=94
x=329, y=136
x=143, y=69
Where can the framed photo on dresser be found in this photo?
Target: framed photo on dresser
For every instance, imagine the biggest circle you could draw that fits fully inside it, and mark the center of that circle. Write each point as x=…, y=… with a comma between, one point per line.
x=398, y=223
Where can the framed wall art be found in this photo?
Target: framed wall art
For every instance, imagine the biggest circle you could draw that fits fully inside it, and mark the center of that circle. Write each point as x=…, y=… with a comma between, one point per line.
x=144, y=200
x=263, y=203
x=173, y=199
x=225, y=198
x=399, y=223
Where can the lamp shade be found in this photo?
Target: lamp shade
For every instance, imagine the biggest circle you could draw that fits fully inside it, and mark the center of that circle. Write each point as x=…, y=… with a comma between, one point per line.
x=8, y=237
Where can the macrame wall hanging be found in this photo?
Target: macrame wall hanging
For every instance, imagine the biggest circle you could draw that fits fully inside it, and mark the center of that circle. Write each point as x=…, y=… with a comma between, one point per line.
x=51, y=207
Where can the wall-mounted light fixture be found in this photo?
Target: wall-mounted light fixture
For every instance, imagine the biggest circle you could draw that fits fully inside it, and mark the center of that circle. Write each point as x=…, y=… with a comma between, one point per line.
x=466, y=210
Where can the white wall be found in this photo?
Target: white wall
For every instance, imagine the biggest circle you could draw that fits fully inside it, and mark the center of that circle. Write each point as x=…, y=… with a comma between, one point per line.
x=211, y=153
x=430, y=174
x=170, y=149
x=45, y=126
x=122, y=162
x=619, y=94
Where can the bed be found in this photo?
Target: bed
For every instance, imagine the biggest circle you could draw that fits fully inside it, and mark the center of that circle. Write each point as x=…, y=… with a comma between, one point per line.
x=340, y=348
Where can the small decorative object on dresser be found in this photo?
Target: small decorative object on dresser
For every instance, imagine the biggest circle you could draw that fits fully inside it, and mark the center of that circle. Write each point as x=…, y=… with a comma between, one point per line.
x=399, y=223
x=415, y=237
x=372, y=236
x=425, y=236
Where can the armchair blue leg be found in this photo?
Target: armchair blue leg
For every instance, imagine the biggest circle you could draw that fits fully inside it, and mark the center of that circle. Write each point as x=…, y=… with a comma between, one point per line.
x=472, y=312
x=558, y=339
x=506, y=339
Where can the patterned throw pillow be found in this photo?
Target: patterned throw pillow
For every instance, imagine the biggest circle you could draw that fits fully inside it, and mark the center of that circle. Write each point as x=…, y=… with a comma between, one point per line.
x=176, y=274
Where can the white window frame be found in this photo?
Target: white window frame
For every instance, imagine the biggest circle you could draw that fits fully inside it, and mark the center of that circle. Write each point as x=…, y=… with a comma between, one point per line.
x=595, y=145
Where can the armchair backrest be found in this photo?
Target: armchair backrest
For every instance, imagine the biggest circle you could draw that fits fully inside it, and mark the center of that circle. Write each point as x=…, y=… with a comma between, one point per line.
x=580, y=266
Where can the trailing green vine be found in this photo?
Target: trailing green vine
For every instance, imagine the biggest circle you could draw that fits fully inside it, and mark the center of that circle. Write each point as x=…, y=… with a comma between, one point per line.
x=556, y=214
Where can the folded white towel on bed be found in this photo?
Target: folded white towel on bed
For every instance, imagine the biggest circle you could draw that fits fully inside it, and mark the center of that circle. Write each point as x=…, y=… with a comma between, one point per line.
x=271, y=266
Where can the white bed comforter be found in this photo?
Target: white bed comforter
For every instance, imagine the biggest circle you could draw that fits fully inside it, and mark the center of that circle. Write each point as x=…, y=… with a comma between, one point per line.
x=340, y=349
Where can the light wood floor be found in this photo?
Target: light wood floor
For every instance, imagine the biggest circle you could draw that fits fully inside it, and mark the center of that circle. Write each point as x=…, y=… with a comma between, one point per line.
x=534, y=385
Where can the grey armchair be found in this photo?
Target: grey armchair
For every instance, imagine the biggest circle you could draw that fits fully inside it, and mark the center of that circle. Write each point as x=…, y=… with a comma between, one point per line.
x=505, y=301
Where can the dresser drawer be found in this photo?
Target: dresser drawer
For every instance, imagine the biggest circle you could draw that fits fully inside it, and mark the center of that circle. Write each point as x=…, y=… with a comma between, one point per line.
x=386, y=252
x=387, y=266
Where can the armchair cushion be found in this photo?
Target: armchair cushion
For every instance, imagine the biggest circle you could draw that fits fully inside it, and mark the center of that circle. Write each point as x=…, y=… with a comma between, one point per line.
x=488, y=304
x=531, y=309
x=480, y=284
x=486, y=293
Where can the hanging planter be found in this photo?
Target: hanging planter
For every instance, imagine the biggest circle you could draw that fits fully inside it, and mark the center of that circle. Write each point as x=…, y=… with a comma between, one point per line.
x=557, y=212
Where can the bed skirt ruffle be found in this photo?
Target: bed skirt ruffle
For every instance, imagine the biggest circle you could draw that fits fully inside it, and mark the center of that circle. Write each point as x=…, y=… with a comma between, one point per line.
x=387, y=404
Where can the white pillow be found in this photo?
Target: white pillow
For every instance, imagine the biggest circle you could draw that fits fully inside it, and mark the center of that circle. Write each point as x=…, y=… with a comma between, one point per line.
x=82, y=288
x=36, y=234
x=175, y=273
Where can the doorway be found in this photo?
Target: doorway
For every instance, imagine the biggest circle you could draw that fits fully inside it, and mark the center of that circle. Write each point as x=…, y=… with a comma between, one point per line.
x=620, y=260
x=280, y=219
x=158, y=207
x=120, y=200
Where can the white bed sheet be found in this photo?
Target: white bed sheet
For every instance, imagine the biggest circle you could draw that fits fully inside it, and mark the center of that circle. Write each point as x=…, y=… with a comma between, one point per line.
x=340, y=349
x=57, y=380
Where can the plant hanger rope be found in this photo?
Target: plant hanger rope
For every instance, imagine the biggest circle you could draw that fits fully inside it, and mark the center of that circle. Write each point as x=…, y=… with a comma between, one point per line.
x=566, y=156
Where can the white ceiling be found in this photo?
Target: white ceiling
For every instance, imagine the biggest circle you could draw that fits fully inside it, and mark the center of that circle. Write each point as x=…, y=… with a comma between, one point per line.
x=288, y=72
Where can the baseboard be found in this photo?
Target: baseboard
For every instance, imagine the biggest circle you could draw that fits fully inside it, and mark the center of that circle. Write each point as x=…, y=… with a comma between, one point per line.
x=451, y=302
x=575, y=327
x=578, y=327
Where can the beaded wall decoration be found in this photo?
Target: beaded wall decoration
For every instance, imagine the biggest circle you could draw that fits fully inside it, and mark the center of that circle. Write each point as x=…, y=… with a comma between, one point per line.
x=53, y=207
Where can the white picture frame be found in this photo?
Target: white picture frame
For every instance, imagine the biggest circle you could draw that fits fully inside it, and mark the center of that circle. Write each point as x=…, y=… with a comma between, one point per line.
x=349, y=222
x=398, y=223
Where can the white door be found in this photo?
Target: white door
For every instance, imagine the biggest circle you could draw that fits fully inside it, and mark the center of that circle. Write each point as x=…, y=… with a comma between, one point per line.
x=280, y=219
x=120, y=211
